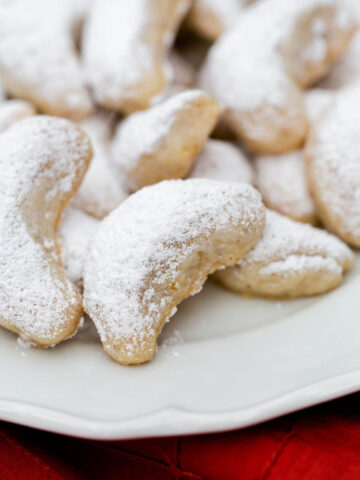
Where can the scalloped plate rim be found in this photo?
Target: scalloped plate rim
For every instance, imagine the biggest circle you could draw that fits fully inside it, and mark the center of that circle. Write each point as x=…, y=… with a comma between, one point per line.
x=174, y=420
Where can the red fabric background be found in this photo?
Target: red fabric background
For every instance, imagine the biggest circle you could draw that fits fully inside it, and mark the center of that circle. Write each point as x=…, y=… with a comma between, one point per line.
x=318, y=443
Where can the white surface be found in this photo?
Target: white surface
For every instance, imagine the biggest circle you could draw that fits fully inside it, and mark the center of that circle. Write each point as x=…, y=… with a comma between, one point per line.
x=239, y=361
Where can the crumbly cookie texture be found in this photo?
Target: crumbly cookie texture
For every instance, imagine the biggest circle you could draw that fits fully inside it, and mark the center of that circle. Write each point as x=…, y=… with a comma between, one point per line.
x=158, y=248
x=333, y=166
x=258, y=68
x=124, y=46
x=291, y=260
x=222, y=161
x=211, y=18
x=76, y=231
x=162, y=142
x=43, y=160
x=38, y=61
x=103, y=188
x=12, y=111
x=281, y=180
x=317, y=100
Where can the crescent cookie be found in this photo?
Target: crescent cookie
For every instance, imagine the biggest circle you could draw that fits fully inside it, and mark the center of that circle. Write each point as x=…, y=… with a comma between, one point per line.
x=291, y=260
x=76, y=230
x=258, y=68
x=37, y=57
x=158, y=248
x=43, y=160
x=281, y=180
x=103, y=188
x=211, y=19
x=12, y=111
x=124, y=48
x=162, y=142
x=222, y=161
x=333, y=166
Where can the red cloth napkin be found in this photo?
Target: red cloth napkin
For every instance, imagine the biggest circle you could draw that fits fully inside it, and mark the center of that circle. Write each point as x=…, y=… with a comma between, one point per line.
x=318, y=443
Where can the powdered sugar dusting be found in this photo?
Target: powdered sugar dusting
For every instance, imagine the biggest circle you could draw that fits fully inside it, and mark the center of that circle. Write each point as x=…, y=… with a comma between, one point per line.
x=288, y=247
x=347, y=70
x=316, y=102
x=124, y=43
x=294, y=264
x=221, y=160
x=244, y=69
x=142, y=132
x=282, y=182
x=335, y=165
x=13, y=110
x=141, y=248
x=316, y=50
x=103, y=187
x=174, y=340
x=37, y=57
x=76, y=230
x=171, y=344
x=41, y=159
x=115, y=54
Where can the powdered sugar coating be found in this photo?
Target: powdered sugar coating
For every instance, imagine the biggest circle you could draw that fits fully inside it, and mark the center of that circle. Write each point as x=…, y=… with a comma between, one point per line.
x=103, y=187
x=347, y=70
x=106, y=50
x=162, y=142
x=281, y=180
x=80, y=9
x=291, y=259
x=142, y=132
x=76, y=230
x=333, y=166
x=317, y=101
x=223, y=161
x=156, y=249
x=37, y=57
x=228, y=78
x=245, y=66
x=124, y=45
x=283, y=238
x=42, y=162
x=12, y=111
x=252, y=73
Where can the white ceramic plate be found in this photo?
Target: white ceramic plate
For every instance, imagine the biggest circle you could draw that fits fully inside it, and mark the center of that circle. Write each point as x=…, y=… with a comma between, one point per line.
x=224, y=362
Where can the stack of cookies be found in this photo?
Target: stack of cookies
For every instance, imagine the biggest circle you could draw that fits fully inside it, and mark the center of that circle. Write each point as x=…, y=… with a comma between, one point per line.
x=148, y=145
